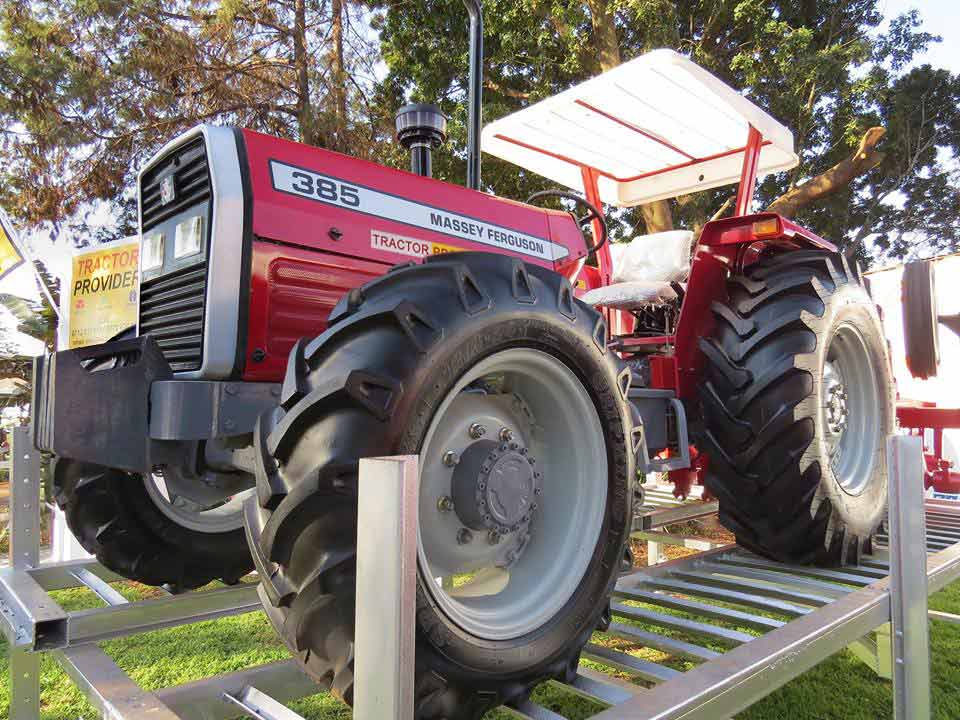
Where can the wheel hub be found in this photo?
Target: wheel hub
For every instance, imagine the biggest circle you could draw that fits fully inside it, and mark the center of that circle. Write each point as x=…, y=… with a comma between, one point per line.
x=495, y=486
x=837, y=409
x=835, y=400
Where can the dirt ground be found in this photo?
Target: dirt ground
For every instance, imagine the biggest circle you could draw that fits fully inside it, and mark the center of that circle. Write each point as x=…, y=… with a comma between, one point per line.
x=705, y=529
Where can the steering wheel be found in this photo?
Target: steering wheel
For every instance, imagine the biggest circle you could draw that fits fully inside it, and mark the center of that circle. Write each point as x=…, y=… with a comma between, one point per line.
x=593, y=213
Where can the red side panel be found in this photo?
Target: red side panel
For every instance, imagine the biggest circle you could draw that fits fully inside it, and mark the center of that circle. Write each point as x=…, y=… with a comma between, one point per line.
x=292, y=291
x=324, y=223
x=327, y=201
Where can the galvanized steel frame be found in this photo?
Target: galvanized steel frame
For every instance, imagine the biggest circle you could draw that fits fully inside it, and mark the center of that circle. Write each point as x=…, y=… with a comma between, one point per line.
x=830, y=610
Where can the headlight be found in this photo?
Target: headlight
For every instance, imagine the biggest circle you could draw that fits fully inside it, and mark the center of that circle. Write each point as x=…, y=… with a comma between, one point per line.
x=152, y=251
x=188, y=239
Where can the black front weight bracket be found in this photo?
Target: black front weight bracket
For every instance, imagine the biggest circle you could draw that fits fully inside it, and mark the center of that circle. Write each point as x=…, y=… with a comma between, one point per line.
x=93, y=404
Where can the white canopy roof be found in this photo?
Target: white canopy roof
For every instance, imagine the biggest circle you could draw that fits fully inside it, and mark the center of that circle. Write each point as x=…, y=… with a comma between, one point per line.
x=655, y=127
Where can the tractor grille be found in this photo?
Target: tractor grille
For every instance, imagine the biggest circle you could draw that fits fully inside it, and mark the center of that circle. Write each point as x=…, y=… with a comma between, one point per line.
x=172, y=303
x=171, y=310
x=191, y=183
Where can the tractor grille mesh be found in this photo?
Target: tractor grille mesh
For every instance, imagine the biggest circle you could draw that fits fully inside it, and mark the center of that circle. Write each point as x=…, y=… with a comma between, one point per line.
x=171, y=310
x=191, y=183
x=171, y=305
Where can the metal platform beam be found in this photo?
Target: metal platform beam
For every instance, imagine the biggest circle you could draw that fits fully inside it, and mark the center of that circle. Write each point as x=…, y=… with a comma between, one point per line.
x=795, y=616
x=24, y=553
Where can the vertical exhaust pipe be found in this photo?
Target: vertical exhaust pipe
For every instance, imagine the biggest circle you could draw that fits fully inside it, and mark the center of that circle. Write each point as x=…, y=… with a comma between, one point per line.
x=475, y=108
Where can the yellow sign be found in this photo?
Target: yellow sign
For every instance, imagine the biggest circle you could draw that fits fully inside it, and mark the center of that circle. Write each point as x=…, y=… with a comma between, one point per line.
x=10, y=257
x=412, y=247
x=103, y=293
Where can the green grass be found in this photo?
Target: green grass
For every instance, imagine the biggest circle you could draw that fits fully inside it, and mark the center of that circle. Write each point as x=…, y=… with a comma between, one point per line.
x=840, y=687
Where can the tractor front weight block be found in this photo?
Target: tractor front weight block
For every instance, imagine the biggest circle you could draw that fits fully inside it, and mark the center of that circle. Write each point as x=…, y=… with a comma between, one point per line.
x=118, y=405
x=93, y=404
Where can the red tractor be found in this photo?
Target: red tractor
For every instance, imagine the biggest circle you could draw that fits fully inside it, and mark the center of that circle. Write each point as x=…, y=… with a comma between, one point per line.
x=300, y=309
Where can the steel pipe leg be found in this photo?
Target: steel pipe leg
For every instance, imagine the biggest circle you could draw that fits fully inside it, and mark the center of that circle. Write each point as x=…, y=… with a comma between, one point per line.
x=908, y=581
x=24, y=553
x=386, y=588
x=24, y=685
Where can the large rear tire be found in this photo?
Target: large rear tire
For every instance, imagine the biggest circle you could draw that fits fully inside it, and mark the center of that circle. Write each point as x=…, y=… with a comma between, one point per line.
x=797, y=403
x=438, y=360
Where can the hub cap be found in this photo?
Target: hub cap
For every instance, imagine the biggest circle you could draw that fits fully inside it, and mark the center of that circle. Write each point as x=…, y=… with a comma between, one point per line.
x=528, y=494
x=850, y=401
x=494, y=487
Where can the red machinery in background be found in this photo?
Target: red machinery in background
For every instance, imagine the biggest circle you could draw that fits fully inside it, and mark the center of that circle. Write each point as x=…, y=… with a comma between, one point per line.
x=918, y=417
x=921, y=322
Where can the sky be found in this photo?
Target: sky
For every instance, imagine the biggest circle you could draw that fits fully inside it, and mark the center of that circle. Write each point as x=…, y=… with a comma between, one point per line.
x=940, y=17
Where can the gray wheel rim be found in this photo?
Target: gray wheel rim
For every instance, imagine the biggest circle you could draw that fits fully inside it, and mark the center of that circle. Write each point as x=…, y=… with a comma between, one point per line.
x=207, y=516
x=850, y=402
x=507, y=586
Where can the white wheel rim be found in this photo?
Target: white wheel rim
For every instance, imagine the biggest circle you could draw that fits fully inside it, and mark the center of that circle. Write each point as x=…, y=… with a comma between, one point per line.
x=850, y=399
x=219, y=517
x=549, y=411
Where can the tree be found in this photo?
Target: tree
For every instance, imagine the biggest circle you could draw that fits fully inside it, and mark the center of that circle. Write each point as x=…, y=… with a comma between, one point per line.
x=89, y=90
x=876, y=145
x=34, y=319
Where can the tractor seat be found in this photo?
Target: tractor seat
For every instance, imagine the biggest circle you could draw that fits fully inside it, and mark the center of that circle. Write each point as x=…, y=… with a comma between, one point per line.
x=643, y=270
x=632, y=295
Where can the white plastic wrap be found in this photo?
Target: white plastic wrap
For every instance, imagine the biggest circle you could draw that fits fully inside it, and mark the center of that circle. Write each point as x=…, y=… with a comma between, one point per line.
x=659, y=257
x=630, y=295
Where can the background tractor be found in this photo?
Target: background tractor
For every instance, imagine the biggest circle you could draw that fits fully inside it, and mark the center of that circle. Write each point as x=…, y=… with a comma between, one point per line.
x=301, y=309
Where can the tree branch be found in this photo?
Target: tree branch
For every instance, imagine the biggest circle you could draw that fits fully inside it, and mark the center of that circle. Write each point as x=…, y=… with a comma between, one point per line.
x=863, y=160
x=492, y=84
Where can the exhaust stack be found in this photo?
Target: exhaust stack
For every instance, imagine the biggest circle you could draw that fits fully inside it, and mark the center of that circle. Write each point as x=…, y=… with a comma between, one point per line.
x=475, y=109
x=421, y=128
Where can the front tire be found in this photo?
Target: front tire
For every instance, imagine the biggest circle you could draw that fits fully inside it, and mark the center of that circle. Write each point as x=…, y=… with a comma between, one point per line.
x=118, y=518
x=797, y=404
x=437, y=360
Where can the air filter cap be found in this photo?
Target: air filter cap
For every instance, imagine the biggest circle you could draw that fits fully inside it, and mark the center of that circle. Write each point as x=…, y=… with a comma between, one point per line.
x=421, y=123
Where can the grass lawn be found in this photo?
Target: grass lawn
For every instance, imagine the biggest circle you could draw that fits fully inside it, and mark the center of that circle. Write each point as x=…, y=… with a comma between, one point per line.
x=840, y=687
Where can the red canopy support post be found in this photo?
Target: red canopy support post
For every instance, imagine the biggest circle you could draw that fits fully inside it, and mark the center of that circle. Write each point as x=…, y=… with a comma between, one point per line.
x=592, y=192
x=748, y=174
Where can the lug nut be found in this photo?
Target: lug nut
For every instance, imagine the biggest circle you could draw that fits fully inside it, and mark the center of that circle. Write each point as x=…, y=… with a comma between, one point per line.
x=444, y=503
x=493, y=537
x=464, y=536
x=450, y=458
x=477, y=431
x=506, y=434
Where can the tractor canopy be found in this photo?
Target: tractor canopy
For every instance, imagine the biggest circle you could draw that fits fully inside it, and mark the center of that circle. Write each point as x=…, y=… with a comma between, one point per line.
x=655, y=127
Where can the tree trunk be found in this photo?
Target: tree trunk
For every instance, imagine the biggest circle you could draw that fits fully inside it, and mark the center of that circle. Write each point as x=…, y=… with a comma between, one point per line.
x=306, y=117
x=337, y=73
x=657, y=216
x=605, y=40
x=840, y=175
